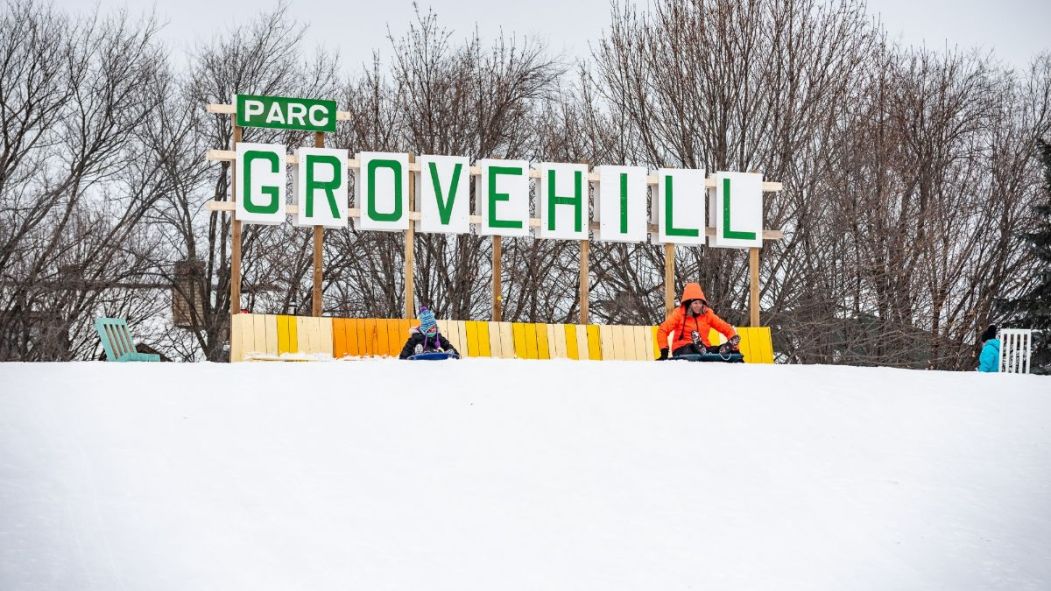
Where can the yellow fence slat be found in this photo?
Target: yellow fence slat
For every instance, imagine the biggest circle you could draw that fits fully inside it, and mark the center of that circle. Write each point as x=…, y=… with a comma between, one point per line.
x=247, y=335
x=543, y=346
x=484, y=342
x=518, y=330
x=529, y=332
x=766, y=345
x=594, y=349
x=472, y=338
x=293, y=335
x=572, y=350
x=507, y=340
x=746, y=344
x=283, y=343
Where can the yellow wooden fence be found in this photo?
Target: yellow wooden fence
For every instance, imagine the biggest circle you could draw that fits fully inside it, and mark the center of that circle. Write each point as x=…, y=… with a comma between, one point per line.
x=265, y=336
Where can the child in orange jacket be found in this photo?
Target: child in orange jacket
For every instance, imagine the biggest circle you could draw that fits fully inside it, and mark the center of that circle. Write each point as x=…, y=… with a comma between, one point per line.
x=690, y=324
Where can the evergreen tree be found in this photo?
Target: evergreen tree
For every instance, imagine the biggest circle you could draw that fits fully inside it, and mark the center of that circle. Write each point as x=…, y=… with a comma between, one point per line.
x=1033, y=309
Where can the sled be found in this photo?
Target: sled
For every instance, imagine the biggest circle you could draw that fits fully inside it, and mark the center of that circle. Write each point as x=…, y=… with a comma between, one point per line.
x=432, y=356
x=709, y=357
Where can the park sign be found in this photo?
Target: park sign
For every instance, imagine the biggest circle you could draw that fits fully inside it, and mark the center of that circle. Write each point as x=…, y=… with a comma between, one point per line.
x=279, y=112
x=682, y=201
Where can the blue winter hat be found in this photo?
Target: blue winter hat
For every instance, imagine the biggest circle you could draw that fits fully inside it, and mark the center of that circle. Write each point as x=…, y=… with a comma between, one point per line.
x=428, y=325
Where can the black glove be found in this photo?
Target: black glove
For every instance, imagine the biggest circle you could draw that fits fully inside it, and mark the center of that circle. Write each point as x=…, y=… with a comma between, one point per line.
x=664, y=355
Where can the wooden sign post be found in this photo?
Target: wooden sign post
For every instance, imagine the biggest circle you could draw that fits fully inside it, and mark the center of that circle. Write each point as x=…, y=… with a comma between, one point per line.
x=391, y=197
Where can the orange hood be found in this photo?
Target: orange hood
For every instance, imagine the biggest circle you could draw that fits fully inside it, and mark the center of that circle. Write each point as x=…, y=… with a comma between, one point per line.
x=692, y=291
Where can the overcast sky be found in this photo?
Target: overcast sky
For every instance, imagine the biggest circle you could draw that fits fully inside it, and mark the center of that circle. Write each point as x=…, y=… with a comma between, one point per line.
x=1016, y=30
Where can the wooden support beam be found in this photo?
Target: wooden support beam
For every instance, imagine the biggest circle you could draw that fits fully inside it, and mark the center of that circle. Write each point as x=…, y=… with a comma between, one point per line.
x=319, y=247
x=498, y=301
x=410, y=255
x=669, y=278
x=235, y=230
x=585, y=281
x=753, y=286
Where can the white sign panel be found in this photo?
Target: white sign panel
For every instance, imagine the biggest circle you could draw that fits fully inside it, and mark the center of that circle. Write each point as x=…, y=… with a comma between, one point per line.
x=620, y=209
x=382, y=191
x=503, y=197
x=320, y=188
x=562, y=200
x=737, y=207
x=444, y=194
x=260, y=183
x=678, y=206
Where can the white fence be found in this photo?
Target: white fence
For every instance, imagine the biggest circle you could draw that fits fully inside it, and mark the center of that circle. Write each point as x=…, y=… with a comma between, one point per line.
x=1016, y=349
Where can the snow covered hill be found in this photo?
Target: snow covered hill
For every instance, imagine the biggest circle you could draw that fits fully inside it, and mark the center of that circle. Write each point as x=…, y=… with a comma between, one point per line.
x=491, y=474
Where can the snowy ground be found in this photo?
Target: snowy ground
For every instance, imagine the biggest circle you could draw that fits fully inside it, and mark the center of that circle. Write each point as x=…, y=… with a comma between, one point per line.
x=514, y=475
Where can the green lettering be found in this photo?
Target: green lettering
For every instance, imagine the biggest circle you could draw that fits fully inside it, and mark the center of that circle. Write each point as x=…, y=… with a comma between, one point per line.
x=727, y=232
x=395, y=166
x=445, y=206
x=329, y=187
x=669, y=227
x=494, y=196
x=273, y=192
x=576, y=200
x=623, y=203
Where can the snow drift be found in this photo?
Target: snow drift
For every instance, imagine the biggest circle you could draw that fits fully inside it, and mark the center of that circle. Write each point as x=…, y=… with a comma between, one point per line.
x=503, y=475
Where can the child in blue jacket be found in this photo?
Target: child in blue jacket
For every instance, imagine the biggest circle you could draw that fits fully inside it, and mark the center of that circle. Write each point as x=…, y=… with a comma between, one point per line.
x=989, y=359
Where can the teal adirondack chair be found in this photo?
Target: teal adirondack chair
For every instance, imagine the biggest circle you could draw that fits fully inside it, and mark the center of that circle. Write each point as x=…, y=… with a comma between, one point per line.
x=116, y=340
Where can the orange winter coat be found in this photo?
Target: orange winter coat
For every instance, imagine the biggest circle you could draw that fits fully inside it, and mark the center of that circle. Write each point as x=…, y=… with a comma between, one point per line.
x=681, y=324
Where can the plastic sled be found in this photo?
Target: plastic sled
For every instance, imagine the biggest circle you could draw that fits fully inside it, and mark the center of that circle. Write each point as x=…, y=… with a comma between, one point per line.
x=709, y=357
x=432, y=356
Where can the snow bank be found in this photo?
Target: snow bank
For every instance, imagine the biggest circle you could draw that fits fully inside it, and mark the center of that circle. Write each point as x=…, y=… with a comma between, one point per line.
x=503, y=475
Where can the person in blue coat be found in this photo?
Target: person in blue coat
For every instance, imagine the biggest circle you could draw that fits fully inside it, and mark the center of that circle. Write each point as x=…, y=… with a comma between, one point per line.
x=989, y=359
x=426, y=338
